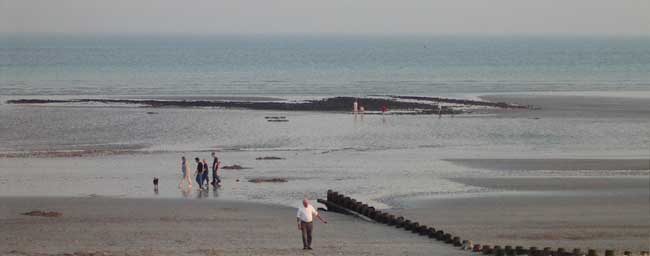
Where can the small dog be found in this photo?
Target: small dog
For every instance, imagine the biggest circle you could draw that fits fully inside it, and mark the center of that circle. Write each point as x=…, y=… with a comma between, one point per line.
x=155, y=183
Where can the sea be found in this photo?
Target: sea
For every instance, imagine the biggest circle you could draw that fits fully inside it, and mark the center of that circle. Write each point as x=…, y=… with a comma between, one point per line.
x=319, y=65
x=378, y=159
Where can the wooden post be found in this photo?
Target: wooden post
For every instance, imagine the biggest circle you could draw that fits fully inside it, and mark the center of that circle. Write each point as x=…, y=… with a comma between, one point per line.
x=407, y=225
x=486, y=249
x=577, y=252
x=456, y=241
x=440, y=235
x=414, y=227
x=547, y=251
x=432, y=233
x=447, y=238
x=519, y=250
x=391, y=220
x=399, y=221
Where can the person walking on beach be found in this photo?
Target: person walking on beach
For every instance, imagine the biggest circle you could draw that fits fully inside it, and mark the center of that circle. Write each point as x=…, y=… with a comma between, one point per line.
x=185, y=174
x=305, y=217
x=199, y=172
x=216, y=181
x=206, y=172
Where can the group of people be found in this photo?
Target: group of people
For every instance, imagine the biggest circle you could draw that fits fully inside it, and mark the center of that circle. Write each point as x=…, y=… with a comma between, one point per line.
x=305, y=215
x=202, y=173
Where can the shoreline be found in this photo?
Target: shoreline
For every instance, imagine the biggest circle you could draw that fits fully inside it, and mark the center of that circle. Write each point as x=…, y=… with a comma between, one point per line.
x=554, y=164
x=576, y=106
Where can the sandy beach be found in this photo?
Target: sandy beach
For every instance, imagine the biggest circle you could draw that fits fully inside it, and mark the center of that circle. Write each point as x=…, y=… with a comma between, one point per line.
x=556, y=164
x=190, y=227
x=578, y=105
x=599, y=213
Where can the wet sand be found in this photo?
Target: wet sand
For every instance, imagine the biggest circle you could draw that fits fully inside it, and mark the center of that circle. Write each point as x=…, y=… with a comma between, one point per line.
x=575, y=106
x=554, y=164
x=600, y=213
x=190, y=227
x=593, y=184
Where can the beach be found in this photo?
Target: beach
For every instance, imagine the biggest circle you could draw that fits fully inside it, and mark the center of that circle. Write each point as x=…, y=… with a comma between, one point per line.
x=535, y=142
x=108, y=226
x=580, y=212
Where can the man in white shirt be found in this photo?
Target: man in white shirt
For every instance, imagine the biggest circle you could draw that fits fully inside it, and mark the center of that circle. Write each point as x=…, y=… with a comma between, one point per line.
x=305, y=216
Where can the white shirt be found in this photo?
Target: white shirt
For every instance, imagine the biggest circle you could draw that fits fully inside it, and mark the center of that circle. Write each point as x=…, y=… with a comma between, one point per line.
x=306, y=214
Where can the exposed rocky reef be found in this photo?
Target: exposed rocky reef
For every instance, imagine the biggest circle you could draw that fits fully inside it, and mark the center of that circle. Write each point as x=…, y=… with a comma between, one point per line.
x=414, y=105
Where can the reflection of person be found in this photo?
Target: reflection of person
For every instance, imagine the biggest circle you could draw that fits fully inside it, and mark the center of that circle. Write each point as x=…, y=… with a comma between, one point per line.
x=185, y=192
x=216, y=181
x=185, y=174
x=305, y=216
x=199, y=172
x=202, y=193
x=155, y=185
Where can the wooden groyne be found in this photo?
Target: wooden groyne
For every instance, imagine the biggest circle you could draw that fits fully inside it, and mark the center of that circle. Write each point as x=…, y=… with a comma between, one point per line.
x=338, y=202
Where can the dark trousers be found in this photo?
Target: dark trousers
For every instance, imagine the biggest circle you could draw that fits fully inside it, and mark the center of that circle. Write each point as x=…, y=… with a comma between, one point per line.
x=215, y=180
x=199, y=180
x=306, y=228
x=205, y=179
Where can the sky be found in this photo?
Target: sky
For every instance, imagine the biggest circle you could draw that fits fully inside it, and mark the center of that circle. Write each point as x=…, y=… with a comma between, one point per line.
x=205, y=17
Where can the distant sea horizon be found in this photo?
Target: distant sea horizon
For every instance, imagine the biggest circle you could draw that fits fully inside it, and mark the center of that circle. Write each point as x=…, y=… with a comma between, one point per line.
x=320, y=65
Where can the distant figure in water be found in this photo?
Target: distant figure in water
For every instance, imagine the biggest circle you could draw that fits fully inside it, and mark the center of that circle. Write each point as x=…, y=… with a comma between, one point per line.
x=216, y=181
x=206, y=172
x=199, y=172
x=185, y=174
x=305, y=217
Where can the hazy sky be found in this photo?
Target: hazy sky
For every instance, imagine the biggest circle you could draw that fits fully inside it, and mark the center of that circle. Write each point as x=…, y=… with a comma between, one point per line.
x=617, y=17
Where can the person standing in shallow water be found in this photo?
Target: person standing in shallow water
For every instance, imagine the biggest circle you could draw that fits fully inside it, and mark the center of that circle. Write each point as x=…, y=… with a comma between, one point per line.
x=305, y=217
x=185, y=174
x=199, y=172
x=216, y=181
x=206, y=172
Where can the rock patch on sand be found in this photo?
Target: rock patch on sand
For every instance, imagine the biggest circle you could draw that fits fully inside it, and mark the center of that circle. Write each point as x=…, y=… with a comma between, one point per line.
x=43, y=214
x=273, y=180
x=269, y=158
x=234, y=167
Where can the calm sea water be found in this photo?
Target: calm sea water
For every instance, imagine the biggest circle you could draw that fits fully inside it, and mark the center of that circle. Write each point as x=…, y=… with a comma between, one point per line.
x=319, y=65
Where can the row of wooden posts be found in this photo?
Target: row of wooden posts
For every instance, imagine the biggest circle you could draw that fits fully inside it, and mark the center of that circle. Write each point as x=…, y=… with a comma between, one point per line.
x=339, y=202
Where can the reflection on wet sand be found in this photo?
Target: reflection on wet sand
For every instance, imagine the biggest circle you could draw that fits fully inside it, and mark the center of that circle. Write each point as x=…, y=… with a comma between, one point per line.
x=202, y=193
x=185, y=192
